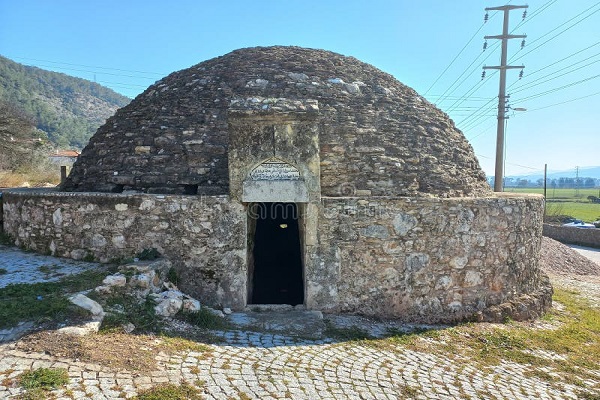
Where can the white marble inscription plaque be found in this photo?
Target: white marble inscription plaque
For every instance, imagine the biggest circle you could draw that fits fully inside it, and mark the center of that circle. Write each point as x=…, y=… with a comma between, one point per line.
x=274, y=170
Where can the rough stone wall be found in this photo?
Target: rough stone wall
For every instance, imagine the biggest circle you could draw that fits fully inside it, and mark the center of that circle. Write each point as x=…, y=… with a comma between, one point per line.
x=567, y=234
x=204, y=237
x=429, y=259
x=377, y=136
x=416, y=259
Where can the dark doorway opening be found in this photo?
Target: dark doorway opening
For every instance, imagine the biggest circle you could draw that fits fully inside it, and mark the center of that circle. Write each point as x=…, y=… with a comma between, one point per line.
x=277, y=274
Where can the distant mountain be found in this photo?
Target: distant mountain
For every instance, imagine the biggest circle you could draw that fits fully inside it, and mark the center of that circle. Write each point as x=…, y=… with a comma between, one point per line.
x=67, y=109
x=584, y=172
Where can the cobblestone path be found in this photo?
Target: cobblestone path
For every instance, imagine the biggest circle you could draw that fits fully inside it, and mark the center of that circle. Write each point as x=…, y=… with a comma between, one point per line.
x=267, y=366
x=263, y=365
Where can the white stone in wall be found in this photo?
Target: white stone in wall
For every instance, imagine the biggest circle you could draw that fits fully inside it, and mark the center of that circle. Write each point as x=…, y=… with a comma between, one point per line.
x=78, y=254
x=443, y=283
x=147, y=204
x=121, y=207
x=473, y=278
x=404, y=223
x=118, y=241
x=458, y=262
x=98, y=240
x=57, y=217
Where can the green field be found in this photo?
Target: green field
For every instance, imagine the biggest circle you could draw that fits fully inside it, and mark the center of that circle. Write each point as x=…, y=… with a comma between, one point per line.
x=571, y=202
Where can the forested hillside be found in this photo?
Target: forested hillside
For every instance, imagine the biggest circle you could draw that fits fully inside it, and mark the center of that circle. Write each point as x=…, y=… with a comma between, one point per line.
x=67, y=109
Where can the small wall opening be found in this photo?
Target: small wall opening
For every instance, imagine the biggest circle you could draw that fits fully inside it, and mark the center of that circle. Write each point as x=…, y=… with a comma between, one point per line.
x=276, y=261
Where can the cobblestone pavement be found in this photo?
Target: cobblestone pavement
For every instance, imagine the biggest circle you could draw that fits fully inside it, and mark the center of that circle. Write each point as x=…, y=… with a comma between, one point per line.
x=266, y=365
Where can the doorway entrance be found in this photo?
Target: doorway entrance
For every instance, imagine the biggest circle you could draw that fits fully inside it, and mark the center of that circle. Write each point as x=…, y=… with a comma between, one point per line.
x=276, y=276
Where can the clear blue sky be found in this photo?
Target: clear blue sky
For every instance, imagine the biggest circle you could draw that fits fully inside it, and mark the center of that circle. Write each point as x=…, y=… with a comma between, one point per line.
x=127, y=45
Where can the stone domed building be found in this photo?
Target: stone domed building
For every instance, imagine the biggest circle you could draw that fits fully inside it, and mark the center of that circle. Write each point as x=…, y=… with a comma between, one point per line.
x=297, y=176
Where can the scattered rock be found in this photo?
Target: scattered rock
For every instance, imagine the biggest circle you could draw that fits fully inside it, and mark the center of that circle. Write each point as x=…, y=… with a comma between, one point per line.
x=191, y=305
x=168, y=307
x=81, y=330
x=118, y=280
x=128, y=327
x=88, y=304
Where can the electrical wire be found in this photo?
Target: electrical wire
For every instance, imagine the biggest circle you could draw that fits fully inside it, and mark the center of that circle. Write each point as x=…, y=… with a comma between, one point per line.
x=564, y=102
x=558, y=88
x=90, y=66
x=539, y=81
x=558, y=34
x=455, y=58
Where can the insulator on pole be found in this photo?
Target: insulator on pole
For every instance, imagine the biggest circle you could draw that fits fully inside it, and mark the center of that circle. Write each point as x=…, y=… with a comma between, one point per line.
x=522, y=43
x=483, y=74
x=524, y=14
x=486, y=17
x=521, y=74
x=484, y=45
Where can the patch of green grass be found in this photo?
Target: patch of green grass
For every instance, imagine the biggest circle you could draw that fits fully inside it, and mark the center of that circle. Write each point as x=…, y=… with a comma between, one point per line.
x=48, y=269
x=6, y=239
x=89, y=257
x=204, y=319
x=46, y=300
x=140, y=314
x=33, y=394
x=170, y=392
x=408, y=338
x=566, y=202
x=182, y=344
x=44, y=378
x=172, y=276
x=345, y=334
x=558, y=193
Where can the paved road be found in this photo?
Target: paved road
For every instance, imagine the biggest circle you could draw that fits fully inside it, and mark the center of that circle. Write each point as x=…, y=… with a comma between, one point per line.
x=589, y=252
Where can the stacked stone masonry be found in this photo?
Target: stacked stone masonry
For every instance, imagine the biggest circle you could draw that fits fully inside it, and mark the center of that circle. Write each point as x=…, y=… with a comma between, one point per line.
x=417, y=259
x=375, y=132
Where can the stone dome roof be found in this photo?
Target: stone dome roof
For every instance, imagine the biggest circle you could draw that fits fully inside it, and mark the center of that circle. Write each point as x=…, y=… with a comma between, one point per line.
x=375, y=134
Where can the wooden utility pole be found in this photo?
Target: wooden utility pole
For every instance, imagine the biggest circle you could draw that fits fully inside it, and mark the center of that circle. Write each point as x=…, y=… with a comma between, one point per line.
x=499, y=172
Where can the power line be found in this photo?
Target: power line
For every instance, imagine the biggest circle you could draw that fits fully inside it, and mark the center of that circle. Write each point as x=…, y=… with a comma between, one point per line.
x=564, y=102
x=455, y=58
x=532, y=84
x=559, y=88
x=563, y=59
x=94, y=72
x=465, y=71
x=91, y=66
x=521, y=23
x=558, y=34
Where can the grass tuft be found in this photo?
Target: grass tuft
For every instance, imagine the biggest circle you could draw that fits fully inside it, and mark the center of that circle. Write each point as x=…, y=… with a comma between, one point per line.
x=141, y=315
x=346, y=334
x=44, y=378
x=170, y=392
x=45, y=300
x=205, y=319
